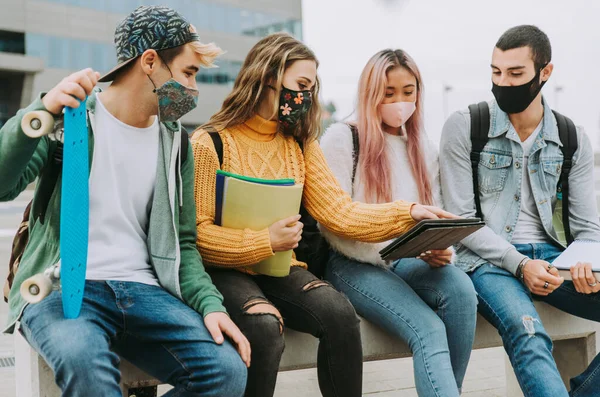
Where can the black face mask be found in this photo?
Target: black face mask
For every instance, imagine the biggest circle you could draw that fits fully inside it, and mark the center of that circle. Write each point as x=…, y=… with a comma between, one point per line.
x=515, y=99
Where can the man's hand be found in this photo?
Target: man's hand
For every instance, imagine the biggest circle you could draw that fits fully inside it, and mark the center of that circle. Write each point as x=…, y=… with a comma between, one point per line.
x=78, y=85
x=584, y=280
x=537, y=273
x=219, y=323
x=437, y=258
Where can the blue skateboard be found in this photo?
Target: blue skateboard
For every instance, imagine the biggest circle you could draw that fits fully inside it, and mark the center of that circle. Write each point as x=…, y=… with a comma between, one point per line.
x=74, y=222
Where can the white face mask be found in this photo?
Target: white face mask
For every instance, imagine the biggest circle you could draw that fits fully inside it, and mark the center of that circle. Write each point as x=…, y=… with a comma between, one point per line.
x=396, y=114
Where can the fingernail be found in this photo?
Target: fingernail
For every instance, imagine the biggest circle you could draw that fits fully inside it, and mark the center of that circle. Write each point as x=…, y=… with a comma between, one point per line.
x=428, y=252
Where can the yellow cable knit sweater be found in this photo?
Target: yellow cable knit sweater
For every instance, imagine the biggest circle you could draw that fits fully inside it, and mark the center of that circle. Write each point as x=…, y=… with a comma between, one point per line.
x=256, y=149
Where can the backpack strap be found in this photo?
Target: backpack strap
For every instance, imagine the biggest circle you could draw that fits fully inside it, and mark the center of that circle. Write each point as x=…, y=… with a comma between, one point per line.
x=480, y=127
x=567, y=133
x=217, y=142
x=48, y=178
x=185, y=143
x=355, y=149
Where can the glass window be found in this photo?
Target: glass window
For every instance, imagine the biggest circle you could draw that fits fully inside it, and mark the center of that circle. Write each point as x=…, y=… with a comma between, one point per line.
x=246, y=20
x=58, y=51
x=236, y=66
x=36, y=45
x=100, y=59
x=12, y=42
x=202, y=16
x=234, y=19
x=81, y=55
x=219, y=17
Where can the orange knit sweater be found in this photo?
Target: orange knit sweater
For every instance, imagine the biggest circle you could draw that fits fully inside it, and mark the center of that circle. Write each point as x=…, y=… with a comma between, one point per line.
x=256, y=149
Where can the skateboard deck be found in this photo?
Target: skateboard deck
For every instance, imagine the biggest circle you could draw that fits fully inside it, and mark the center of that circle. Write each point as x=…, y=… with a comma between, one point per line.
x=74, y=222
x=74, y=211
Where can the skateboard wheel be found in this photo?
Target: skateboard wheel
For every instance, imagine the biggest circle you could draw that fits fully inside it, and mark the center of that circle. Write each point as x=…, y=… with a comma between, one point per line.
x=37, y=124
x=36, y=288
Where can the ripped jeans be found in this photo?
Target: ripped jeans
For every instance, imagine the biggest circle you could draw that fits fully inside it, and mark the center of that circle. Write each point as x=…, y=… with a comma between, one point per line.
x=508, y=305
x=307, y=304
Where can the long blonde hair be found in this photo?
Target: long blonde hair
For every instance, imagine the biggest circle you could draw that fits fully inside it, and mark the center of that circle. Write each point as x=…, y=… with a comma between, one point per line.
x=373, y=160
x=264, y=65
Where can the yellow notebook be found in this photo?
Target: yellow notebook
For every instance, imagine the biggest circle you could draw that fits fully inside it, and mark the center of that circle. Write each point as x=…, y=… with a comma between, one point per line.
x=256, y=206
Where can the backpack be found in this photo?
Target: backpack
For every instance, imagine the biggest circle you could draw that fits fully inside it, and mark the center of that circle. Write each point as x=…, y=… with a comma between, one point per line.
x=480, y=126
x=312, y=249
x=47, y=182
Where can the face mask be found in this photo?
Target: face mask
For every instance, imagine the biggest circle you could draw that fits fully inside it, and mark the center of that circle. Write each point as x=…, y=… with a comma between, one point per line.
x=396, y=114
x=293, y=106
x=515, y=99
x=174, y=99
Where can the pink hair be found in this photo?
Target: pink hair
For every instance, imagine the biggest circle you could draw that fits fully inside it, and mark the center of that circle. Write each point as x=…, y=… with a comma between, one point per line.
x=373, y=158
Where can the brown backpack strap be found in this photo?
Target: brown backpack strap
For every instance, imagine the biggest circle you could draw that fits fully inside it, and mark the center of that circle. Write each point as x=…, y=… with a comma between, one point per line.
x=18, y=247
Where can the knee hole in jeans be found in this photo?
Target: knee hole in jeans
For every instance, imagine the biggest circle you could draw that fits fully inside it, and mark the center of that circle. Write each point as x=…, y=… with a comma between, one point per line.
x=262, y=307
x=315, y=284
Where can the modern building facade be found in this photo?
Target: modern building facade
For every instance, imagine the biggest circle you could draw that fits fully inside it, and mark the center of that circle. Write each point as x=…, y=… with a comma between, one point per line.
x=42, y=41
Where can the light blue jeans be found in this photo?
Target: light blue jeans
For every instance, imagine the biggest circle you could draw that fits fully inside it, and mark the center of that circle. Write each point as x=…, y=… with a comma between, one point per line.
x=144, y=324
x=434, y=310
x=508, y=305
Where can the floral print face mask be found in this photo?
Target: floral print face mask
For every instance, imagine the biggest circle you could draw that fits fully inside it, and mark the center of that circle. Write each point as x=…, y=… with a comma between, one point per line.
x=174, y=99
x=293, y=106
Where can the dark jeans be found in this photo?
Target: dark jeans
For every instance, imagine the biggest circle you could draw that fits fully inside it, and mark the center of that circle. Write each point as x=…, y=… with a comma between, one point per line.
x=308, y=305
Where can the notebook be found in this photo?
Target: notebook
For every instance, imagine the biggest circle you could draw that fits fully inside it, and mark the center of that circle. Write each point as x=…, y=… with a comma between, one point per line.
x=251, y=203
x=430, y=234
x=578, y=251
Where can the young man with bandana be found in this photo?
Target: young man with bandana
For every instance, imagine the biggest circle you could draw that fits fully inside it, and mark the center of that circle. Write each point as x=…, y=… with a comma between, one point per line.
x=510, y=260
x=147, y=296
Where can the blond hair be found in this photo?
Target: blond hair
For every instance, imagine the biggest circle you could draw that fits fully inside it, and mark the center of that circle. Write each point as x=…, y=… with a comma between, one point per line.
x=265, y=65
x=207, y=52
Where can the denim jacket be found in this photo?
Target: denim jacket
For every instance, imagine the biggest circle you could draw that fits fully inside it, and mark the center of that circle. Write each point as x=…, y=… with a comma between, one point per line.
x=500, y=175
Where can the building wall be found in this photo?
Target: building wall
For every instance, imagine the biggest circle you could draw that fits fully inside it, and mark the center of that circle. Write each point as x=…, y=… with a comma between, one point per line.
x=62, y=36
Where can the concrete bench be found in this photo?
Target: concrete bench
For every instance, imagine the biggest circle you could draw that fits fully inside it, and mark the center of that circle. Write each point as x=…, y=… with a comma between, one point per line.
x=574, y=348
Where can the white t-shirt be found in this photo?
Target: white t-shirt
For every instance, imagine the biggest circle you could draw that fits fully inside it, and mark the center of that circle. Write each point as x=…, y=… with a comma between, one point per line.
x=122, y=182
x=529, y=228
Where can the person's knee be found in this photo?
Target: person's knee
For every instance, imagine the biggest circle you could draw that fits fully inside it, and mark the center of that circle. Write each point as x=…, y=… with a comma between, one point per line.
x=85, y=346
x=334, y=310
x=234, y=375
x=82, y=359
x=226, y=378
x=262, y=324
x=461, y=290
x=427, y=329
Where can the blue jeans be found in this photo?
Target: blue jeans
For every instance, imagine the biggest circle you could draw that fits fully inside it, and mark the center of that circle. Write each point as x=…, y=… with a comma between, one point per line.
x=508, y=305
x=145, y=325
x=434, y=310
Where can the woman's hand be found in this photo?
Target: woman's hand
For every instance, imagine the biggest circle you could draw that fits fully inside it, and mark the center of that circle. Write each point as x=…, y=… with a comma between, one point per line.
x=286, y=234
x=420, y=212
x=437, y=258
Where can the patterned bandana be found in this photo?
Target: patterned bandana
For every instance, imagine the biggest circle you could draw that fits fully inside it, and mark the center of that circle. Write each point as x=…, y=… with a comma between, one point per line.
x=293, y=106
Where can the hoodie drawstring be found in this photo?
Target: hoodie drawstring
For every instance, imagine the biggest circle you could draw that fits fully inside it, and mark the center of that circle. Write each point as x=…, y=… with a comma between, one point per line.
x=179, y=173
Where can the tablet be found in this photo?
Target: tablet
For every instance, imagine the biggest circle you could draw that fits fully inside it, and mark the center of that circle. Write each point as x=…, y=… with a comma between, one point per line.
x=430, y=234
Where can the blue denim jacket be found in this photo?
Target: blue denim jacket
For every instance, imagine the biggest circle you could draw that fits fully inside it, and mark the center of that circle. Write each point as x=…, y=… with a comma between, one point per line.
x=500, y=175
